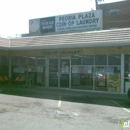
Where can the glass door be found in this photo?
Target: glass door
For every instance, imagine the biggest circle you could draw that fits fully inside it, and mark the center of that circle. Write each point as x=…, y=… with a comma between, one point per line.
x=59, y=72
x=64, y=72
x=53, y=72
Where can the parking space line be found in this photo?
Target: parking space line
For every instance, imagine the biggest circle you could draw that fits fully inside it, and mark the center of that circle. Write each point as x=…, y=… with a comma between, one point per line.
x=120, y=106
x=59, y=102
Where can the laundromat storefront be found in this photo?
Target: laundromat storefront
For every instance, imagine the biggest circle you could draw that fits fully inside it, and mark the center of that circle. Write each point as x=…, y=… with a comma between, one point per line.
x=96, y=69
x=92, y=61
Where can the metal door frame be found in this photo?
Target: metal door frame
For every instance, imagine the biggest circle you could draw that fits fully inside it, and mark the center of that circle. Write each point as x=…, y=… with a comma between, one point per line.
x=58, y=73
x=69, y=58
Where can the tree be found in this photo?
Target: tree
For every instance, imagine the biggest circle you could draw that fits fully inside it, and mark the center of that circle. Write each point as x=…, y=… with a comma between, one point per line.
x=98, y=1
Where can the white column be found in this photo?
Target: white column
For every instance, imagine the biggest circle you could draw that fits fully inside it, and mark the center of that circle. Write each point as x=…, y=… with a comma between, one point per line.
x=70, y=76
x=46, y=71
x=122, y=73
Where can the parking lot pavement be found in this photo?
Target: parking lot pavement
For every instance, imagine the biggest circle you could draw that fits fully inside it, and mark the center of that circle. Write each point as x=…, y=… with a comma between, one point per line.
x=61, y=113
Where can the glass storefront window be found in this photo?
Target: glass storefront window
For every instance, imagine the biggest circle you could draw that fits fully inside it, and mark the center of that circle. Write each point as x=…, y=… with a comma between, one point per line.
x=64, y=72
x=127, y=65
x=40, y=76
x=108, y=79
x=18, y=67
x=100, y=59
x=114, y=59
x=100, y=79
x=4, y=60
x=4, y=70
x=0, y=60
x=32, y=60
x=64, y=65
x=4, y=67
x=114, y=79
x=22, y=60
x=41, y=61
x=53, y=65
x=14, y=60
x=88, y=60
x=126, y=72
x=53, y=71
x=82, y=77
x=76, y=60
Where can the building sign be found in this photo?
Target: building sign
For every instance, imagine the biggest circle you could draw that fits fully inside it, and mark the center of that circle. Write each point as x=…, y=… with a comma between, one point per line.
x=47, y=25
x=60, y=52
x=79, y=21
x=71, y=22
x=34, y=26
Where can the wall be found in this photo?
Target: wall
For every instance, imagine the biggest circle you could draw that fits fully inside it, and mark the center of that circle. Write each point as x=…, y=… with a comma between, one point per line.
x=121, y=20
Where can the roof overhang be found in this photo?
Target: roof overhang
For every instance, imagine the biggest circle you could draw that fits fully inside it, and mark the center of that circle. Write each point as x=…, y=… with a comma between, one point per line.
x=104, y=38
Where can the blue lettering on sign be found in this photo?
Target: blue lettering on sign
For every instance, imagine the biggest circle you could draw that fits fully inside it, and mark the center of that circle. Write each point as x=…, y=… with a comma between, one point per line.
x=61, y=24
x=70, y=23
x=66, y=18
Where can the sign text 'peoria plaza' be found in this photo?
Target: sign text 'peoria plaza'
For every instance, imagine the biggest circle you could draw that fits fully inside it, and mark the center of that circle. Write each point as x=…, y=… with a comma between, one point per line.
x=91, y=20
x=78, y=21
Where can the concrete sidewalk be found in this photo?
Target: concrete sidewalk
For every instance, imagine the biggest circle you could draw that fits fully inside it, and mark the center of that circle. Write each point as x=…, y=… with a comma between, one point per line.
x=62, y=92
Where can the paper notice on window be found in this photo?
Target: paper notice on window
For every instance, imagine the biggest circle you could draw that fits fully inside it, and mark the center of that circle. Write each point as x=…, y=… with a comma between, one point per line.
x=89, y=70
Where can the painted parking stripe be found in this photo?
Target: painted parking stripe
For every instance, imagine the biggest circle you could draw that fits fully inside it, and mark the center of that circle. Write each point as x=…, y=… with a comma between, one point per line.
x=120, y=106
x=59, y=102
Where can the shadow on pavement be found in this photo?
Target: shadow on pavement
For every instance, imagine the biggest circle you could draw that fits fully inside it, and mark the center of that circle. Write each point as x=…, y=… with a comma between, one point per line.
x=68, y=95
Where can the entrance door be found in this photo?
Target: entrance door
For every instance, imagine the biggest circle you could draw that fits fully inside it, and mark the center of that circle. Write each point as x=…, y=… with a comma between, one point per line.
x=59, y=72
x=64, y=72
x=53, y=72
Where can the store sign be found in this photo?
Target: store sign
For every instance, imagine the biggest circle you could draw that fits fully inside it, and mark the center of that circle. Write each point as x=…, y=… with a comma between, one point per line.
x=71, y=22
x=60, y=52
x=34, y=26
x=47, y=25
x=79, y=21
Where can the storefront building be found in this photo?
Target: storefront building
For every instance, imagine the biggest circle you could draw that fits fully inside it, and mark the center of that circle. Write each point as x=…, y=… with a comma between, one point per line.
x=78, y=59
x=88, y=61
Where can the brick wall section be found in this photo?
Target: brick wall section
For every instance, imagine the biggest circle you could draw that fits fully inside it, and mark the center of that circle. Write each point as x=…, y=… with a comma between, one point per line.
x=116, y=20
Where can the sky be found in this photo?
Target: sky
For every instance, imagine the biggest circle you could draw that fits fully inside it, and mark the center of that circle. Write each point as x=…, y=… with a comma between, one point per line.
x=15, y=14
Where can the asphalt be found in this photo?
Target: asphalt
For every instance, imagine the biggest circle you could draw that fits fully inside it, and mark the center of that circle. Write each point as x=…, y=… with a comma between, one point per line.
x=18, y=90
x=42, y=108
x=30, y=113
